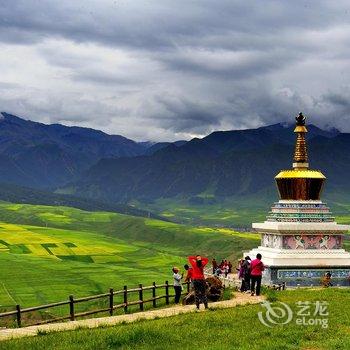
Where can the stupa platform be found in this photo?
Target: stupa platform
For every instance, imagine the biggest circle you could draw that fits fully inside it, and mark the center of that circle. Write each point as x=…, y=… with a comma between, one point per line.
x=316, y=258
x=293, y=227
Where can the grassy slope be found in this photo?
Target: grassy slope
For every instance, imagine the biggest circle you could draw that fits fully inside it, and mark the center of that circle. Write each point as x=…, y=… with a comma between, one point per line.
x=237, y=328
x=224, y=213
x=234, y=212
x=47, y=253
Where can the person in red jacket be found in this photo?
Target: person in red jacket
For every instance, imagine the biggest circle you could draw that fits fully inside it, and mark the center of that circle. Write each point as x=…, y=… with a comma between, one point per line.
x=256, y=269
x=199, y=284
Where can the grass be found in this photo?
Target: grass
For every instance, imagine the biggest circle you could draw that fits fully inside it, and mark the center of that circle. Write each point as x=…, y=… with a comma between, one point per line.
x=235, y=212
x=236, y=328
x=48, y=253
x=208, y=215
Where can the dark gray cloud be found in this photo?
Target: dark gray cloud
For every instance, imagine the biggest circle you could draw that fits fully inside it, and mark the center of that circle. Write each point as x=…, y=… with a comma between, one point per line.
x=182, y=115
x=153, y=24
x=229, y=64
x=171, y=70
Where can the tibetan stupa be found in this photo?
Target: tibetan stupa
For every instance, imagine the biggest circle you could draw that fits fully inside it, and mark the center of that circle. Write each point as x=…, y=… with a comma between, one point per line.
x=300, y=240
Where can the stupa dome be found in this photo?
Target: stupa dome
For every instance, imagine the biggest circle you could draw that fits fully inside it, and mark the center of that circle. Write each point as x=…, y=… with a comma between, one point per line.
x=300, y=183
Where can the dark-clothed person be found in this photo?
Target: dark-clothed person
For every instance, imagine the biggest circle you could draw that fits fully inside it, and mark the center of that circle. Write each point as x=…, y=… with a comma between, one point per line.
x=229, y=267
x=245, y=266
x=214, y=264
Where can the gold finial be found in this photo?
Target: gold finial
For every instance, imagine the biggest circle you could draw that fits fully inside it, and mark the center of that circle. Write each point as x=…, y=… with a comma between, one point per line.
x=300, y=153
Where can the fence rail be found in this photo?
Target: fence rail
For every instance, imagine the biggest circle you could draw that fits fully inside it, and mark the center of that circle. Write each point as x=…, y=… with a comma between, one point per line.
x=125, y=292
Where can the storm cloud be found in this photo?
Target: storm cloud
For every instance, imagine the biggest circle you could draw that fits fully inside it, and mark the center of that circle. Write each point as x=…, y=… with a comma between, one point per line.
x=165, y=70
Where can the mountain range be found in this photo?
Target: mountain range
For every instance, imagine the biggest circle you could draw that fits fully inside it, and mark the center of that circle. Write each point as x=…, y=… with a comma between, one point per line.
x=90, y=164
x=223, y=164
x=47, y=156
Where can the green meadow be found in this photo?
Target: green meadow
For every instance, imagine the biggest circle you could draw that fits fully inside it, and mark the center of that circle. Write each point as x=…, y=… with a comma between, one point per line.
x=232, y=213
x=236, y=328
x=48, y=253
x=235, y=212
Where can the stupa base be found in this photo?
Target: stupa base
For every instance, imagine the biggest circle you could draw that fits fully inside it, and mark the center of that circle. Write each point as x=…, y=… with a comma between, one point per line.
x=304, y=267
x=294, y=276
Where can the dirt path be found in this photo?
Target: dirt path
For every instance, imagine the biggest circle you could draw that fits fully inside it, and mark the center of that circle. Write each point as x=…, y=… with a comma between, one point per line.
x=240, y=299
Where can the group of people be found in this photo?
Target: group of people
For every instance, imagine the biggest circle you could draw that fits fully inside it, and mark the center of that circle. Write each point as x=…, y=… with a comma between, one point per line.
x=195, y=276
x=222, y=269
x=250, y=272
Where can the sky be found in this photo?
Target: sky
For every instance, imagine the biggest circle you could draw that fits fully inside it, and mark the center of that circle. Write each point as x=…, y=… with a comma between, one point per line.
x=169, y=70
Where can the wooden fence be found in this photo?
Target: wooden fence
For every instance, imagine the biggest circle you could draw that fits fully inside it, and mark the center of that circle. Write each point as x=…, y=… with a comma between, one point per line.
x=125, y=292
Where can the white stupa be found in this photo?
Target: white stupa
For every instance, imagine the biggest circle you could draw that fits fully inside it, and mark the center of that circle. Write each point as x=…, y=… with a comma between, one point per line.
x=300, y=240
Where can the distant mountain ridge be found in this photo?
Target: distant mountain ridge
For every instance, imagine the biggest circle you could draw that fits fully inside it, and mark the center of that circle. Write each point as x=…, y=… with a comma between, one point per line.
x=47, y=156
x=222, y=164
x=113, y=169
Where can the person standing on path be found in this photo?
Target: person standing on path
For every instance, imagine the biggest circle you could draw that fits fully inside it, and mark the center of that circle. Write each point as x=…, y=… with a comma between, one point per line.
x=198, y=263
x=188, y=278
x=214, y=265
x=177, y=284
x=245, y=274
x=229, y=267
x=256, y=269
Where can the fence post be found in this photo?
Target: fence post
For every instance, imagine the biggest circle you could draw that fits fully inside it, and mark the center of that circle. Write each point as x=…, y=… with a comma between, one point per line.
x=125, y=299
x=111, y=293
x=166, y=292
x=154, y=301
x=141, y=297
x=71, y=307
x=18, y=315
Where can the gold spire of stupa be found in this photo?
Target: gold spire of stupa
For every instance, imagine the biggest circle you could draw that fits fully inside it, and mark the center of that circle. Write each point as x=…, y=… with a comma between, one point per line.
x=300, y=153
x=300, y=183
